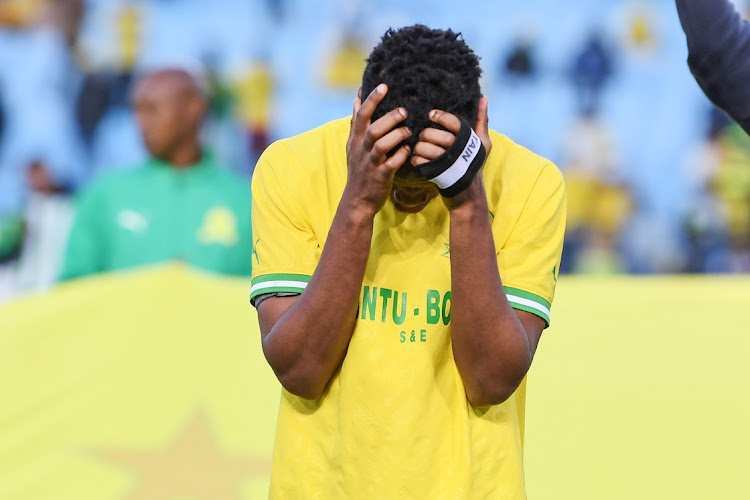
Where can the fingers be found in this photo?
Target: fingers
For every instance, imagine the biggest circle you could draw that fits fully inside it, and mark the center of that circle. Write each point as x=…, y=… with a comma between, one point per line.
x=397, y=159
x=383, y=126
x=433, y=141
x=482, y=127
x=428, y=150
x=363, y=114
x=382, y=146
x=355, y=110
x=417, y=160
x=447, y=120
x=442, y=138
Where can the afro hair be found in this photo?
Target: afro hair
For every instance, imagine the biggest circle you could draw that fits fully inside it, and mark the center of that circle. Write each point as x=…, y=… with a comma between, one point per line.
x=424, y=69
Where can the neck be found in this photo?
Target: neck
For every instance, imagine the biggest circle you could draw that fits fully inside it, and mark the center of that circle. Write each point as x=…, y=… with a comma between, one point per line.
x=186, y=156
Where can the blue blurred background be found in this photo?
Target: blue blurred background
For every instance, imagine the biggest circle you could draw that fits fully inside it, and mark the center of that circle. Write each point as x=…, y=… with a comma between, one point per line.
x=658, y=180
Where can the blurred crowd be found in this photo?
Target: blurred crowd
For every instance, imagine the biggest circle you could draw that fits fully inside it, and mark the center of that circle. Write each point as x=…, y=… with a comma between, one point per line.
x=658, y=181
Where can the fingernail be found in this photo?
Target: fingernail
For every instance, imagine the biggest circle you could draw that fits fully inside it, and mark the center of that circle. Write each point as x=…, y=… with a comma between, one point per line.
x=408, y=130
x=402, y=111
x=433, y=113
x=381, y=88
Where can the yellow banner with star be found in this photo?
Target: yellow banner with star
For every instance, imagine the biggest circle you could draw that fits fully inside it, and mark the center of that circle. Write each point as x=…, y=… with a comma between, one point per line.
x=138, y=386
x=153, y=385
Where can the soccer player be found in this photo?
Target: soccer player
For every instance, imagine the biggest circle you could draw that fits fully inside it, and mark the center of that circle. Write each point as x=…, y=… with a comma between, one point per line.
x=406, y=262
x=180, y=205
x=719, y=54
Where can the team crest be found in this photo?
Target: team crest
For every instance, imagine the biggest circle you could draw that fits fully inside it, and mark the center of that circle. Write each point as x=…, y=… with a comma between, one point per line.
x=219, y=227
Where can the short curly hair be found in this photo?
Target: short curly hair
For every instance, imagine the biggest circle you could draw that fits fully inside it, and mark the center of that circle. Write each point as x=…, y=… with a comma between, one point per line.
x=424, y=69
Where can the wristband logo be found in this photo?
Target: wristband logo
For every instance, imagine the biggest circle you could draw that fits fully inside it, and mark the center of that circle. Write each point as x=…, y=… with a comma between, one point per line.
x=454, y=170
x=471, y=148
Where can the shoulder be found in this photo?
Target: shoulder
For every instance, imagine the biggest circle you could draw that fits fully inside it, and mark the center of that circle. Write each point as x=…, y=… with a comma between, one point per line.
x=513, y=164
x=311, y=146
x=520, y=181
x=109, y=182
x=316, y=155
x=226, y=178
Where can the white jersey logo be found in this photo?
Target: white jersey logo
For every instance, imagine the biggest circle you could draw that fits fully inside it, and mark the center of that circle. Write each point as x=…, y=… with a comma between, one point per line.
x=132, y=221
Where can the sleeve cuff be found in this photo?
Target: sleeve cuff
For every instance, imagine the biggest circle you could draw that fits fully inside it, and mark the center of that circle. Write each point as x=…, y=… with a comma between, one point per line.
x=525, y=301
x=274, y=283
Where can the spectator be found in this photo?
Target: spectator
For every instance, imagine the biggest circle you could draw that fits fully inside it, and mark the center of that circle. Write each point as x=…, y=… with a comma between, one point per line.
x=38, y=117
x=731, y=185
x=705, y=224
x=599, y=203
x=591, y=70
x=520, y=63
x=179, y=205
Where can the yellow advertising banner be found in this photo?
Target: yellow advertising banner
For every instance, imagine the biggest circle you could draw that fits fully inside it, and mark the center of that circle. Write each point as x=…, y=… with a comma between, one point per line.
x=138, y=386
x=152, y=385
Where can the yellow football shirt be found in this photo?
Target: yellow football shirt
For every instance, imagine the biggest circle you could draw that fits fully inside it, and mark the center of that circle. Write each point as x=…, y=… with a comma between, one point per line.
x=394, y=421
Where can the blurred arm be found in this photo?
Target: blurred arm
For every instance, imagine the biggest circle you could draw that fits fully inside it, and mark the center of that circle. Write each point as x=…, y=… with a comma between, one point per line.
x=719, y=54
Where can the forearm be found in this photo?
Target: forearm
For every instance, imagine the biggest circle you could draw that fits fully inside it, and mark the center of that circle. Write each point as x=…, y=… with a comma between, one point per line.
x=719, y=52
x=490, y=346
x=707, y=23
x=308, y=342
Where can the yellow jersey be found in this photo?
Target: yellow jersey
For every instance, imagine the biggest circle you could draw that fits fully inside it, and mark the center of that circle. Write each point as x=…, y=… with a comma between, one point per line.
x=394, y=421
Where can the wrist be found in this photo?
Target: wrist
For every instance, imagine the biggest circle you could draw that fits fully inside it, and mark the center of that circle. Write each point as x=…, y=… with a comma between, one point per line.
x=474, y=198
x=357, y=211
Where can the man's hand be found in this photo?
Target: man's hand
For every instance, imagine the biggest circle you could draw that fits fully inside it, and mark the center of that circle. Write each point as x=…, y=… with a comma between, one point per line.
x=371, y=171
x=433, y=142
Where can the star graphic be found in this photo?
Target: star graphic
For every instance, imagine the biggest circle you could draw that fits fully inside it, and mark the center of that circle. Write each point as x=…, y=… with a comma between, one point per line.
x=192, y=466
x=447, y=253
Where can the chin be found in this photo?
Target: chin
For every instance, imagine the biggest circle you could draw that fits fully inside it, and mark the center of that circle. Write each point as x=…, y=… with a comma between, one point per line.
x=412, y=199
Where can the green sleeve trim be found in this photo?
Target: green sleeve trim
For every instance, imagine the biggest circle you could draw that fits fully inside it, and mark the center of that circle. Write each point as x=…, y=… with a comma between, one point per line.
x=272, y=283
x=529, y=302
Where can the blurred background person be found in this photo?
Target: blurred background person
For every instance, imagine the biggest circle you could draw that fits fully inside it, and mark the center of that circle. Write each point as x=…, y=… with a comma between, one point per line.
x=276, y=68
x=730, y=184
x=599, y=202
x=590, y=72
x=519, y=64
x=706, y=224
x=41, y=156
x=179, y=205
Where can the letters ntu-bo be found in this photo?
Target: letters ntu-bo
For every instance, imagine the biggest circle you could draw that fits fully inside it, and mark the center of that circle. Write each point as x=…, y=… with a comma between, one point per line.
x=384, y=304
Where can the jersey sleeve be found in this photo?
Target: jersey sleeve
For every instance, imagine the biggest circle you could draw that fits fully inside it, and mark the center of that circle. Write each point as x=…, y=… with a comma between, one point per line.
x=286, y=250
x=530, y=258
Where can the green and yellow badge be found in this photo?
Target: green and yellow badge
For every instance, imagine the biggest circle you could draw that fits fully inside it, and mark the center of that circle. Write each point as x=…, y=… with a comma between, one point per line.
x=219, y=227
